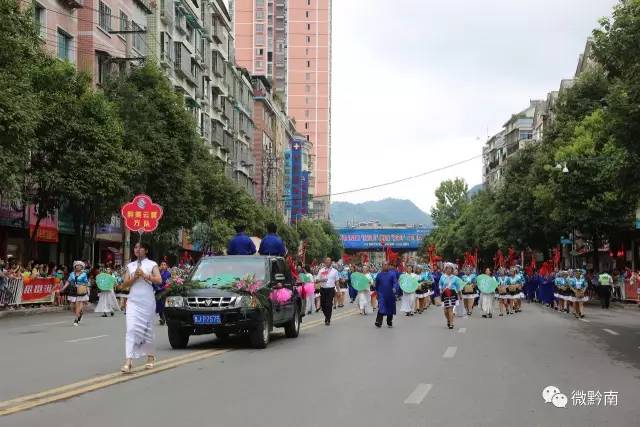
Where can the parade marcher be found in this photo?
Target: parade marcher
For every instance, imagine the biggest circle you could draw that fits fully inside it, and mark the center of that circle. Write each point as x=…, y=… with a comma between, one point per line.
x=435, y=288
x=78, y=285
x=604, y=289
x=561, y=287
x=140, y=277
x=241, y=244
x=272, y=244
x=469, y=290
x=107, y=302
x=328, y=279
x=503, y=293
x=408, y=299
x=449, y=288
x=423, y=293
x=386, y=286
x=165, y=275
x=374, y=295
x=486, y=299
x=308, y=287
x=342, y=289
x=363, y=297
x=579, y=288
x=516, y=282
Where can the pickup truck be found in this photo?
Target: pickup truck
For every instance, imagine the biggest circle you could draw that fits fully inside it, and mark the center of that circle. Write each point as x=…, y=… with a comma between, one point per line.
x=216, y=309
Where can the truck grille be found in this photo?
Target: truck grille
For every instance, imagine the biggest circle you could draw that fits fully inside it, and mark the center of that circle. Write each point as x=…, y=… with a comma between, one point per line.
x=211, y=302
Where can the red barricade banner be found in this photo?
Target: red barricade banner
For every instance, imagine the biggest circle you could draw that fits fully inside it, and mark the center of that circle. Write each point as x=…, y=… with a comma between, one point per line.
x=38, y=290
x=631, y=291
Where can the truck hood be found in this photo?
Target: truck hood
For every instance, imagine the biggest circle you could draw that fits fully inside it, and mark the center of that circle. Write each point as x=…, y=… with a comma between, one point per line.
x=211, y=293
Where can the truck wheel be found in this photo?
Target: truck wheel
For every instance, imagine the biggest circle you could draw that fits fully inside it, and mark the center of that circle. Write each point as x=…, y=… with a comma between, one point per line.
x=178, y=338
x=292, y=328
x=259, y=337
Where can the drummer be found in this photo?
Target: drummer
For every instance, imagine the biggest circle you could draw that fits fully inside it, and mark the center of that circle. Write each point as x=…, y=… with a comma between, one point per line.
x=470, y=290
x=423, y=293
x=579, y=288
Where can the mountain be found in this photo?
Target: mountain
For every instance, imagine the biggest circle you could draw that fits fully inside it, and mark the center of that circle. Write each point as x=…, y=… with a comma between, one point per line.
x=475, y=190
x=387, y=211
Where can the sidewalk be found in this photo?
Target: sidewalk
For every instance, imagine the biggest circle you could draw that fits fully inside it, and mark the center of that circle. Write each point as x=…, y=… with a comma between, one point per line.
x=9, y=312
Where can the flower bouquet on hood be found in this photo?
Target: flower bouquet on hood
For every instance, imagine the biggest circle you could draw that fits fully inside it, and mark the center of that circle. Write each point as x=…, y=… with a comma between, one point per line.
x=250, y=287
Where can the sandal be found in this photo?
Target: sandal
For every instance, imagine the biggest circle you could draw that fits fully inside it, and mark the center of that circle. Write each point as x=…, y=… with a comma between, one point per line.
x=127, y=367
x=151, y=361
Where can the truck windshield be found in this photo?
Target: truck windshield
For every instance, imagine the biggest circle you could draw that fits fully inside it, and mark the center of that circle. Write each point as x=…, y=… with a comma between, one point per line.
x=222, y=271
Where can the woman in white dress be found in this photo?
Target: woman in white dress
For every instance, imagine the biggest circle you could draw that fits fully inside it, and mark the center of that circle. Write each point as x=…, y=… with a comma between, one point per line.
x=140, y=276
x=363, y=298
x=408, y=299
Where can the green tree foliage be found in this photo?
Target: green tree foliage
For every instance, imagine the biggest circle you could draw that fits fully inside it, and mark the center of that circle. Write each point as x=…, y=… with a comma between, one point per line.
x=161, y=140
x=451, y=197
x=77, y=158
x=20, y=56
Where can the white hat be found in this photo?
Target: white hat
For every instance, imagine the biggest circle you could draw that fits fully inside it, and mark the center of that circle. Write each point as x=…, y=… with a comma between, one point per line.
x=78, y=263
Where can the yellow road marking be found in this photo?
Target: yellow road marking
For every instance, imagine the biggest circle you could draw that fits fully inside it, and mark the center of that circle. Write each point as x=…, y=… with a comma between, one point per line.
x=68, y=391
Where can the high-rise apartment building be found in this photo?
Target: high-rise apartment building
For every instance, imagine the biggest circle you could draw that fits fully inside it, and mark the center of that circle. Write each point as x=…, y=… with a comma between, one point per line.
x=298, y=61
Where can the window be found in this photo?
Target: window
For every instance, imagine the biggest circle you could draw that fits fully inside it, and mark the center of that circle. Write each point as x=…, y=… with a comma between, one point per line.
x=178, y=54
x=308, y=64
x=306, y=51
x=259, y=40
x=124, y=22
x=307, y=76
x=64, y=45
x=40, y=20
x=259, y=65
x=307, y=88
x=103, y=67
x=306, y=100
x=306, y=114
x=195, y=70
x=260, y=52
x=259, y=28
x=189, y=33
x=306, y=125
x=104, y=17
x=138, y=38
x=308, y=39
x=166, y=46
x=306, y=14
x=308, y=27
x=259, y=14
x=308, y=2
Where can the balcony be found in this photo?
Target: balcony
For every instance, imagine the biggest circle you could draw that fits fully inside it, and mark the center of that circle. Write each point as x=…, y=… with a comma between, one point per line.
x=167, y=12
x=73, y=4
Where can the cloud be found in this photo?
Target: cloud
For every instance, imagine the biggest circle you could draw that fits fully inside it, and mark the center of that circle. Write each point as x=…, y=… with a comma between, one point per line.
x=418, y=84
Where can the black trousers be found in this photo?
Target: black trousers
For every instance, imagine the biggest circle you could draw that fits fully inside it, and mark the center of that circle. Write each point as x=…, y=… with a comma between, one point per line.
x=605, y=295
x=326, y=301
x=379, y=318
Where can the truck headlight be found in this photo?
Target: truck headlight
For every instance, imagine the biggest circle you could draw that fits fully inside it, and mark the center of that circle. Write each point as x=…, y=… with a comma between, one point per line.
x=243, y=301
x=175, y=302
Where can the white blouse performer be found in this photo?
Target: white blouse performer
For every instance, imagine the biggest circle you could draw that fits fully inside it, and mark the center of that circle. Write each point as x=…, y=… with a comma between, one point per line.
x=141, y=310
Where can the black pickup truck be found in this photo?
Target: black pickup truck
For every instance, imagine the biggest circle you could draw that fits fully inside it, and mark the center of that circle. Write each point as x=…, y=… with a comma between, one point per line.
x=219, y=310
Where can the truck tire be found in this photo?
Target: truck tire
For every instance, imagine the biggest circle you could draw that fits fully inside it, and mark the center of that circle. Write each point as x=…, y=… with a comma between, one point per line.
x=292, y=327
x=260, y=336
x=178, y=338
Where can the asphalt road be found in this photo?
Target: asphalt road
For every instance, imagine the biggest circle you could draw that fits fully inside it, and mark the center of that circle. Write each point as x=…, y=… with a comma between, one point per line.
x=486, y=372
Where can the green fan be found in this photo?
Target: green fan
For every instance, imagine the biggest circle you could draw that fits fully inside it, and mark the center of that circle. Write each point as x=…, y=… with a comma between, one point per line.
x=359, y=282
x=105, y=281
x=408, y=283
x=486, y=284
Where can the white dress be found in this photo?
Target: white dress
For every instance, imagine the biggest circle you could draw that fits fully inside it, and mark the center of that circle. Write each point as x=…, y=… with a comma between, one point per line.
x=141, y=311
x=107, y=302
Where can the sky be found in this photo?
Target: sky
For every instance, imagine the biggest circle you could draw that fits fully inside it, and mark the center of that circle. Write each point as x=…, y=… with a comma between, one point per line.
x=420, y=84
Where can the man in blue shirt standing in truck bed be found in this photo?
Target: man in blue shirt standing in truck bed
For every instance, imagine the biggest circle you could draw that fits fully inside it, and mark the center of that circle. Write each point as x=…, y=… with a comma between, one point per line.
x=272, y=244
x=241, y=244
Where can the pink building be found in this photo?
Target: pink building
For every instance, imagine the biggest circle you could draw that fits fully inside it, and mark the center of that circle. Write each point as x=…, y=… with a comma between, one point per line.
x=289, y=41
x=111, y=35
x=58, y=22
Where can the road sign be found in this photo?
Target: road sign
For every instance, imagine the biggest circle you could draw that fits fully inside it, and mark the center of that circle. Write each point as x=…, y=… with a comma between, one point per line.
x=141, y=214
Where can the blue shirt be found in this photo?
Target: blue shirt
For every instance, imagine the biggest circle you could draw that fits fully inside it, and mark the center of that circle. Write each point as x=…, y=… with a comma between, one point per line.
x=272, y=244
x=83, y=279
x=452, y=282
x=241, y=244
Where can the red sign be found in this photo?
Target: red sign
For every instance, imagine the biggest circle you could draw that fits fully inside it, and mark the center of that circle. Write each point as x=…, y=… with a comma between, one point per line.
x=47, y=229
x=38, y=290
x=141, y=214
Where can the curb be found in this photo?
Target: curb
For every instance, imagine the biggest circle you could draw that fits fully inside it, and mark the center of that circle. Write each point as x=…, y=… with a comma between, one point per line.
x=30, y=311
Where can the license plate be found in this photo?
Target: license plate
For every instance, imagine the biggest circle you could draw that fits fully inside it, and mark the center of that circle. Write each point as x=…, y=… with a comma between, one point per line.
x=207, y=319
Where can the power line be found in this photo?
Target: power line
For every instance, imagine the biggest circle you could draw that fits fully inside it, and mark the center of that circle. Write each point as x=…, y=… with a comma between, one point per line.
x=385, y=184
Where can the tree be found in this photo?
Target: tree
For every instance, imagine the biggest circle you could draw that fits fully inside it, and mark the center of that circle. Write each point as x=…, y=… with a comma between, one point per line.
x=77, y=159
x=20, y=55
x=451, y=196
x=161, y=141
